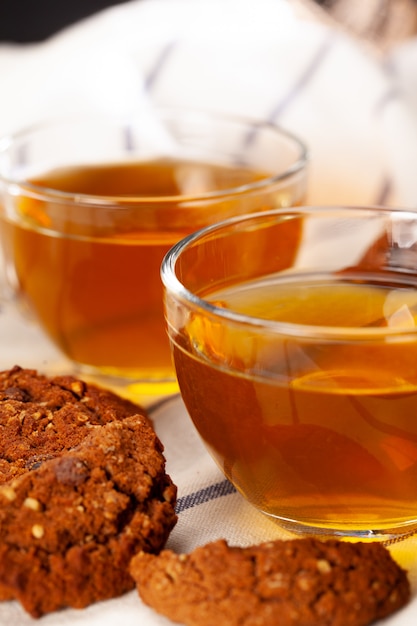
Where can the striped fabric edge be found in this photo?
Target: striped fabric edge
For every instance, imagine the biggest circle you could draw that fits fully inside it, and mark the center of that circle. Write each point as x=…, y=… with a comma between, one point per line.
x=204, y=495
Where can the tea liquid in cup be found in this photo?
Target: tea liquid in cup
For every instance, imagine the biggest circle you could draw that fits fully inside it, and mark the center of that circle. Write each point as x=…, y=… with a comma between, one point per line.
x=297, y=362
x=90, y=207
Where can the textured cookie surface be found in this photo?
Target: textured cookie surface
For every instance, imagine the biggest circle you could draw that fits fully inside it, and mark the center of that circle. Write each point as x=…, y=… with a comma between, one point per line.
x=77, y=498
x=41, y=417
x=304, y=582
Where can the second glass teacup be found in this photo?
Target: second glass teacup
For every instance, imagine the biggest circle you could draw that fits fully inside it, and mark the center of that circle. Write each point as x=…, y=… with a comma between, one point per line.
x=89, y=207
x=295, y=343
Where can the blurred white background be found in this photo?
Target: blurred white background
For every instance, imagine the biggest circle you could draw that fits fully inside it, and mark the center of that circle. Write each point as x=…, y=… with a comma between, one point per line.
x=355, y=106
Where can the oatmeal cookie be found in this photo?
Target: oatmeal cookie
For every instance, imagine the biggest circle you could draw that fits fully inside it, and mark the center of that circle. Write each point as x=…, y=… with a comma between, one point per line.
x=69, y=528
x=83, y=487
x=303, y=582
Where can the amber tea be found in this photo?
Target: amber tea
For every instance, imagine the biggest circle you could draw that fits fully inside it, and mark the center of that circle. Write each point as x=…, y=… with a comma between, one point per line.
x=329, y=436
x=97, y=291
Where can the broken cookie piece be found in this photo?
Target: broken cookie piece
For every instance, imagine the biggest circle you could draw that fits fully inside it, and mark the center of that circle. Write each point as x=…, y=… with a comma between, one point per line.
x=303, y=582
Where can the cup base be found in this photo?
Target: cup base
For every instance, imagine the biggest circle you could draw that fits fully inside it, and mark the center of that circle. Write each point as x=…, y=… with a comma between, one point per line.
x=387, y=534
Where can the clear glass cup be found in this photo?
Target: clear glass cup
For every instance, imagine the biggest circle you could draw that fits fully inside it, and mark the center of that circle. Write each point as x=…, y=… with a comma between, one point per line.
x=90, y=205
x=294, y=336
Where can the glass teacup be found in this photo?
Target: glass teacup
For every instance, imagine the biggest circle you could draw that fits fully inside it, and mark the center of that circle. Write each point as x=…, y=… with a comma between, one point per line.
x=90, y=206
x=294, y=335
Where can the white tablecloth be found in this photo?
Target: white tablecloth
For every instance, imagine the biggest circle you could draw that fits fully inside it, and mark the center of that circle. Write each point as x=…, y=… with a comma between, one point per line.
x=356, y=111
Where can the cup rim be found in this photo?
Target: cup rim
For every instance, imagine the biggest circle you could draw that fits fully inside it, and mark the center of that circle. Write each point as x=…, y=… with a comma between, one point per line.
x=39, y=191
x=174, y=286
